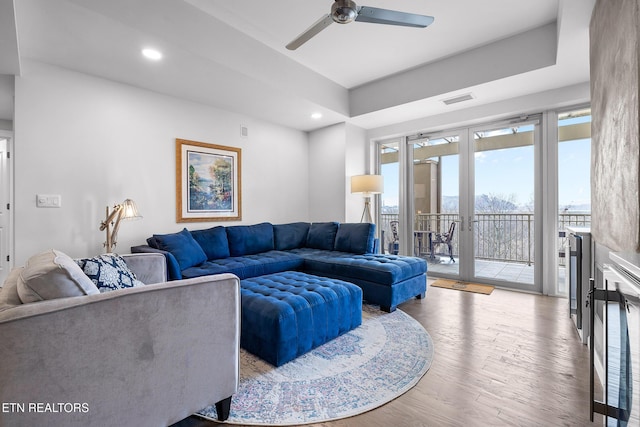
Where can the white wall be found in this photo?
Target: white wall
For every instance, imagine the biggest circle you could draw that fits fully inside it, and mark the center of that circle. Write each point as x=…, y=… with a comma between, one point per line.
x=355, y=164
x=97, y=142
x=6, y=101
x=335, y=154
x=327, y=150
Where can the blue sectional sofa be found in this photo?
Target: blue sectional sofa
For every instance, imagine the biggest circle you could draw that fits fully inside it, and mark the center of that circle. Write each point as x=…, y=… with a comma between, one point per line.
x=328, y=249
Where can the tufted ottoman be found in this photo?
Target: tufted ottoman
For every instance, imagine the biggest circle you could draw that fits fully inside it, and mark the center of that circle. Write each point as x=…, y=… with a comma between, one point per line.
x=284, y=315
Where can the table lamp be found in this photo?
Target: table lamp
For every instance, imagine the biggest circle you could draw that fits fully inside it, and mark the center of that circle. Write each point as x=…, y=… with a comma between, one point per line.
x=126, y=210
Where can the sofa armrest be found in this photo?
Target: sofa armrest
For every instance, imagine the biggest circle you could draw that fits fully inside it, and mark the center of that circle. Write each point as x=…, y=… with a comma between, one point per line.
x=148, y=355
x=173, y=268
x=149, y=268
x=376, y=246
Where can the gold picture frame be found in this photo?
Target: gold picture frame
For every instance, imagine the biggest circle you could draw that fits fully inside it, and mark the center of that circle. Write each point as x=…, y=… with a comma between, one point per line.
x=208, y=182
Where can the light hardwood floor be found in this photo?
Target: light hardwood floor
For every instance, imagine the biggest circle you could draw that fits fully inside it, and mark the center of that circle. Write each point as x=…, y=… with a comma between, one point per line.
x=505, y=359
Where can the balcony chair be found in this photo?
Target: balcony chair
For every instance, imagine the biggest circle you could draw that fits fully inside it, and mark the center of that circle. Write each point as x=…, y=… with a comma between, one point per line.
x=394, y=244
x=443, y=239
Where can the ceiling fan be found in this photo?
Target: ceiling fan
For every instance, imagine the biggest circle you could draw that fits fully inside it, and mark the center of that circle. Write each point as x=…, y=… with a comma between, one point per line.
x=345, y=11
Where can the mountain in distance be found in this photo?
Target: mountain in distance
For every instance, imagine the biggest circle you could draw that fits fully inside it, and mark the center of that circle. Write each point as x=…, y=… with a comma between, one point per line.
x=493, y=203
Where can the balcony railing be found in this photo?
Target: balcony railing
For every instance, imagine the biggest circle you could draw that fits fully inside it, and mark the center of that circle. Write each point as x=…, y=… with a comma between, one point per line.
x=507, y=237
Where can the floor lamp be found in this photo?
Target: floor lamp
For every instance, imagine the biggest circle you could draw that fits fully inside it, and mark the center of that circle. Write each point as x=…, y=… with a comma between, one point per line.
x=368, y=185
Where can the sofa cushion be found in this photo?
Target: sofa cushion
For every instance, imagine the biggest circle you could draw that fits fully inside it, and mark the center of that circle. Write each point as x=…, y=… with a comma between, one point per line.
x=382, y=269
x=250, y=239
x=52, y=274
x=9, y=292
x=182, y=246
x=290, y=236
x=248, y=265
x=322, y=235
x=355, y=238
x=213, y=241
x=109, y=272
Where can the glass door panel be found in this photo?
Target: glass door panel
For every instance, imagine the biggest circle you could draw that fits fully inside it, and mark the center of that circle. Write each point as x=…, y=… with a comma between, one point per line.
x=504, y=204
x=574, y=182
x=390, y=199
x=436, y=202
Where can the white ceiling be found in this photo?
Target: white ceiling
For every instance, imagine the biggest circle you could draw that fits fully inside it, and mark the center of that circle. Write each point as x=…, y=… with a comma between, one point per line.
x=231, y=54
x=357, y=53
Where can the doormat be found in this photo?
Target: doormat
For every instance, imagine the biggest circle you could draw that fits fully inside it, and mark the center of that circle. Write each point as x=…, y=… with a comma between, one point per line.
x=463, y=286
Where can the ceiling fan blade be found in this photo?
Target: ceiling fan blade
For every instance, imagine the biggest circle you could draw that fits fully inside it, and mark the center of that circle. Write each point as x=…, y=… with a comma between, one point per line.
x=318, y=26
x=392, y=17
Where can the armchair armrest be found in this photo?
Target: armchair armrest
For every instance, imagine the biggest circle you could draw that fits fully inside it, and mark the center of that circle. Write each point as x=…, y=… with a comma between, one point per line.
x=149, y=268
x=173, y=268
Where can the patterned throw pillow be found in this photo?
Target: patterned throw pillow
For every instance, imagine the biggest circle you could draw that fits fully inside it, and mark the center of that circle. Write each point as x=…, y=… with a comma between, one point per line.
x=109, y=272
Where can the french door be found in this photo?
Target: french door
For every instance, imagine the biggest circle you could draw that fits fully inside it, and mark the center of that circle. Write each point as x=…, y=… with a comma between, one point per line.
x=439, y=199
x=505, y=203
x=469, y=202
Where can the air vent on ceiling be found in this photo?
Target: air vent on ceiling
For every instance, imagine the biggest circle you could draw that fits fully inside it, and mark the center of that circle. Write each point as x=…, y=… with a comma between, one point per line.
x=461, y=98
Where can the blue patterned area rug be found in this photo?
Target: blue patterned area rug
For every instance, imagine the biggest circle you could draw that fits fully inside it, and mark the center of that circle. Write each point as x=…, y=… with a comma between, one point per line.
x=354, y=373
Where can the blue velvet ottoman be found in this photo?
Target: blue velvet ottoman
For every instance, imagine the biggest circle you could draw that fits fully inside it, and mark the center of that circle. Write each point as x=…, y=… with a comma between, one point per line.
x=284, y=315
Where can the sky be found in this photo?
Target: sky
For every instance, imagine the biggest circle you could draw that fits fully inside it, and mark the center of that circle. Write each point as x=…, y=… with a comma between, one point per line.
x=510, y=173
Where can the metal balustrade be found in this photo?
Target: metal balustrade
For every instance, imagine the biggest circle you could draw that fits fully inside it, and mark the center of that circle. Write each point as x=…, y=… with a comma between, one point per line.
x=506, y=237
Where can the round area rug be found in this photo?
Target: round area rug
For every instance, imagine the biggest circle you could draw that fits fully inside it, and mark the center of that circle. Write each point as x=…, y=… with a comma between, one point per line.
x=354, y=373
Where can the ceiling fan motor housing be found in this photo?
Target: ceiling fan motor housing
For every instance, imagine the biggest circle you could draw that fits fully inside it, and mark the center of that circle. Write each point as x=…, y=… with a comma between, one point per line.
x=344, y=11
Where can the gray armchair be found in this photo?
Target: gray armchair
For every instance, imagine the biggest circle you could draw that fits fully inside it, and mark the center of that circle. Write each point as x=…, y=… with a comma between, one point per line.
x=145, y=356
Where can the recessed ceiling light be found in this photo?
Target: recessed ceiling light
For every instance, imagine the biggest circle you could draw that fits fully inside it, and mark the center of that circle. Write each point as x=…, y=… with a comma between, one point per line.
x=152, y=54
x=316, y=116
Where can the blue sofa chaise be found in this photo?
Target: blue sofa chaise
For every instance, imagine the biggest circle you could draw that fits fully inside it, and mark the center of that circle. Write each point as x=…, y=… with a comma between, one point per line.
x=328, y=249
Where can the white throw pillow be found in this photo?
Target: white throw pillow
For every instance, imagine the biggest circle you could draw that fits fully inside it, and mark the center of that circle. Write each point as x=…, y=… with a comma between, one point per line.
x=50, y=275
x=9, y=292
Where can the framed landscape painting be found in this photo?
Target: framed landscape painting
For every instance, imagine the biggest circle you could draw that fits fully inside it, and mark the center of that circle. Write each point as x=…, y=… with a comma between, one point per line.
x=207, y=182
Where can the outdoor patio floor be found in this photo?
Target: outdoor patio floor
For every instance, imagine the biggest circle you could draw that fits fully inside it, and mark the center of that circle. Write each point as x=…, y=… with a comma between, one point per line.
x=491, y=270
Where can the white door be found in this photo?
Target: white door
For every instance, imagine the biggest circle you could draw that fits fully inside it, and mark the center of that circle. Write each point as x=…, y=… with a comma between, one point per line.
x=5, y=200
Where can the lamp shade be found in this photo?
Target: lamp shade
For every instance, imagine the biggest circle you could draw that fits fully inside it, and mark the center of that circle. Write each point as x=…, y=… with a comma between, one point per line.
x=124, y=211
x=367, y=184
x=130, y=210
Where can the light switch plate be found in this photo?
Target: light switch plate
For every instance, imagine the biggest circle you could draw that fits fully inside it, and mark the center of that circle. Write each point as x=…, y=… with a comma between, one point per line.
x=48, y=200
